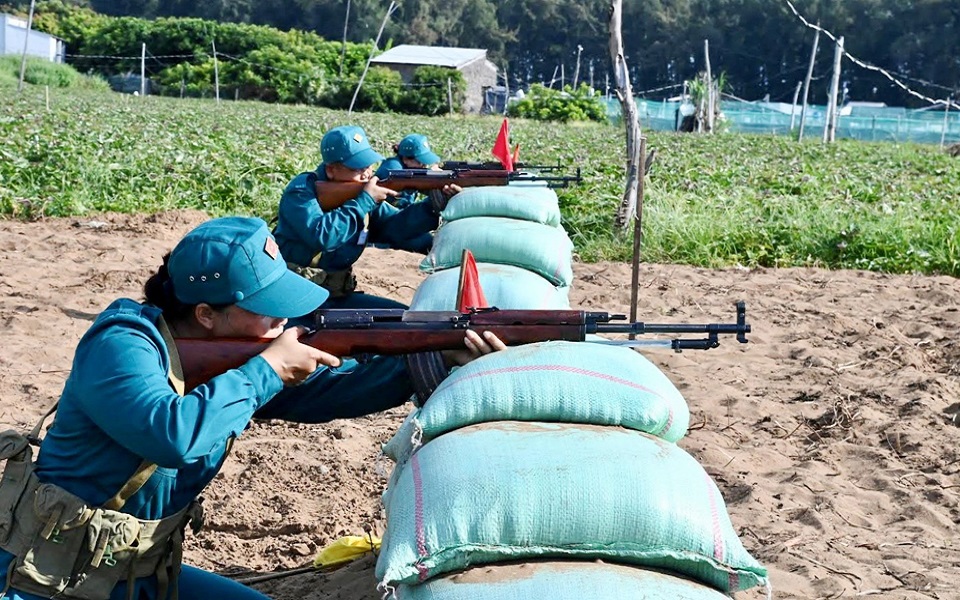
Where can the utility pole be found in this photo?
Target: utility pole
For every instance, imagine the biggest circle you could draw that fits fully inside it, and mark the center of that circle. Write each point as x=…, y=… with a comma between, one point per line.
x=830, y=128
x=26, y=45
x=806, y=83
x=376, y=44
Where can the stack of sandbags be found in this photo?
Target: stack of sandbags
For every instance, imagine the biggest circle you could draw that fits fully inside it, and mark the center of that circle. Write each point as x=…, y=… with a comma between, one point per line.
x=523, y=255
x=527, y=467
x=558, y=450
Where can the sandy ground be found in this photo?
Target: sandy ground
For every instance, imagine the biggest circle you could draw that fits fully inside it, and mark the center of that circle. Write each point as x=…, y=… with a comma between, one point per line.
x=833, y=434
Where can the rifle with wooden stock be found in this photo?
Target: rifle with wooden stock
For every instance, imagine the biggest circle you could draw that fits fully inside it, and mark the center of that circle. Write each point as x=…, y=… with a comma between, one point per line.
x=332, y=194
x=355, y=332
x=492, y=165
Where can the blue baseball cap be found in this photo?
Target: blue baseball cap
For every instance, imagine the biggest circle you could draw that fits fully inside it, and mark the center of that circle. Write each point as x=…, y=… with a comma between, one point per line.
x=415, y=146
x=235, y=260
x=348, y=145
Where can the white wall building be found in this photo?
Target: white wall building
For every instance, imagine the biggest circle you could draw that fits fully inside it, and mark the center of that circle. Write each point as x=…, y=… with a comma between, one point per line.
x=13, y=32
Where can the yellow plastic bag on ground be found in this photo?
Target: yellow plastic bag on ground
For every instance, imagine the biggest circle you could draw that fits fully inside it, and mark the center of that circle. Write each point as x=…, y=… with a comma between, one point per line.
x=346, y=549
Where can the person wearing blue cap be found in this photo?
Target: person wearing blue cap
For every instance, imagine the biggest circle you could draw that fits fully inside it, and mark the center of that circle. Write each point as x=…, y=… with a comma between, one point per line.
x=413, y=152
x=324, y=245
x=102, y=511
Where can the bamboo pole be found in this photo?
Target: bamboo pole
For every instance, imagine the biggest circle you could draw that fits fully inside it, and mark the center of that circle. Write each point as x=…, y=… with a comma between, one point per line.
x=793, y=107
x=710, y=99
x=216, y=71
x=637, y=239
x=830, y=128
x=376, y=44
x=946, y=121
x=806, y=84
x=143, y=69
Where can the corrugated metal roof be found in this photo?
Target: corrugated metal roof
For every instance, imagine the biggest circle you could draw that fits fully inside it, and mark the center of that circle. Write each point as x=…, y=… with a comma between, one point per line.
x=439, y=56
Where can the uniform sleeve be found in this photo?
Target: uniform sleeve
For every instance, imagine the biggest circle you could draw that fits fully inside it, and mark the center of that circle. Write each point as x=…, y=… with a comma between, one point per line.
x=322, y=231
x=395, y=226
x=124, y=390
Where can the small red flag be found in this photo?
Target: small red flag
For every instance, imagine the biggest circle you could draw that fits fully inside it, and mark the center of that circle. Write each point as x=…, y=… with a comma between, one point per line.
x=516, y=154
x=501, y=148
x=469, y=292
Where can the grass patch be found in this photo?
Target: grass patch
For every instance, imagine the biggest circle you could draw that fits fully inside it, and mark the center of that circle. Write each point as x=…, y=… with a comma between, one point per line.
x=711, y=200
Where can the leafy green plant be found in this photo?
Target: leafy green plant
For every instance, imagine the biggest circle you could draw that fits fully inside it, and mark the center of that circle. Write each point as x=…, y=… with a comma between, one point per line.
x=710, y=201
x=546, y=104
x=427, y=92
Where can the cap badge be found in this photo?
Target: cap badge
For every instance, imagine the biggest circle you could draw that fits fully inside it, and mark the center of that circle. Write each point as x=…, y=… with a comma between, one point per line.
x=357, y=138
x=271, y=248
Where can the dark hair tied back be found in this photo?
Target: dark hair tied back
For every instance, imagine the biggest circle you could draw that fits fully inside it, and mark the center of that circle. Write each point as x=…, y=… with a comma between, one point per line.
x=158, y=290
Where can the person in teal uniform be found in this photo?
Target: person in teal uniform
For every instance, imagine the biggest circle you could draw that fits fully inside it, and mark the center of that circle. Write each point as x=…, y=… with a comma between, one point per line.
x=101, y=511
x=413, y=152
x=323, y=245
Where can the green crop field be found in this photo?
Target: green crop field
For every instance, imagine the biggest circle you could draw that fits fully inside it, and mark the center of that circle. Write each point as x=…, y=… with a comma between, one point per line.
x=711, y=200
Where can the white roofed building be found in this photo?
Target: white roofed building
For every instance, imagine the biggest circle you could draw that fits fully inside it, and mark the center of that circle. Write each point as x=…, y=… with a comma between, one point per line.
x=478, y=72
x=13, y=32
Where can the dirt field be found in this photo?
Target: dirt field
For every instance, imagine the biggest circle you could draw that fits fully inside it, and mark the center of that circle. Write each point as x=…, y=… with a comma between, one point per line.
x=833, y=435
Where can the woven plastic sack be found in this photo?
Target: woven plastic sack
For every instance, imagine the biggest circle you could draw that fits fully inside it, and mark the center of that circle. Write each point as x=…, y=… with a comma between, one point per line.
x=563, y=580
x=526, y=202
x=504, y=286
x=512, y=491
x=569, y=382
x=539, y=248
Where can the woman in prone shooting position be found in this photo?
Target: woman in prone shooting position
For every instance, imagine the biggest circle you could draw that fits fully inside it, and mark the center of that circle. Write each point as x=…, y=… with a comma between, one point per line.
x=102, y=511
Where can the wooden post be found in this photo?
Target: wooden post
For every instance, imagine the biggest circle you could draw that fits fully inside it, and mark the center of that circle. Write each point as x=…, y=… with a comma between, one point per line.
x=591, y=73
x=46, y=93
x=506, y=87
x=793, y=108
x=830, y=128
x=576, y=71
x=26, y=46
x=946, y=121
x=216, y=71
x=563, y=78
x=376, y=44
x=450, y=95
x=637, y=239
x=143, y=69
x=627, y=210
x=710, y=99
x=343, y=49
x=554, y=76
x=183, y=86
x=806, y=84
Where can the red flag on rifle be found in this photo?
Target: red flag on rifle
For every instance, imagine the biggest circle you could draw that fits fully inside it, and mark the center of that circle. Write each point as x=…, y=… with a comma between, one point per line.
x=469, y=292
x=501, y=148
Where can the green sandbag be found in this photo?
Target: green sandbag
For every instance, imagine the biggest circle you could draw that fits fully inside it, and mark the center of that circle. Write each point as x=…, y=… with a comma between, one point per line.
x=536, y=203
x=558, y=580
x=567, y=382
x=543, y=249
x=510, y=491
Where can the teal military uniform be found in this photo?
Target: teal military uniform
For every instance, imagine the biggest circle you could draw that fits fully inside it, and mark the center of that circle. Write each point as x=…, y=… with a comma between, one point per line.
x=119, y=408
x=304, y=230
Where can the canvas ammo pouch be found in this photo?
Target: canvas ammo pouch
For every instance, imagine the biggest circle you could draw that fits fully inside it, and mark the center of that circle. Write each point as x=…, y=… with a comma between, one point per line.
x=338, y=283
x=66, y=548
